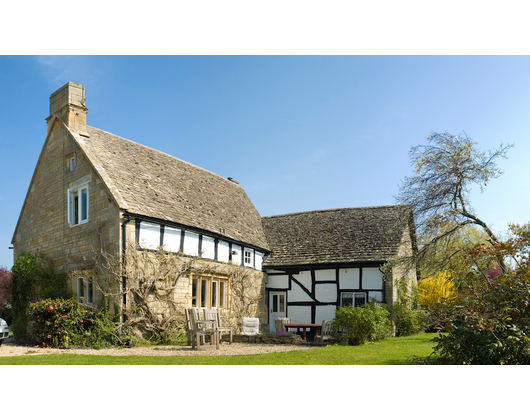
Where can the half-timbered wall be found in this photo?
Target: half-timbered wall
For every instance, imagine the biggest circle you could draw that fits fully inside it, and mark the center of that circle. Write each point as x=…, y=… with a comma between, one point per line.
x=313, y=295
x=151, y=235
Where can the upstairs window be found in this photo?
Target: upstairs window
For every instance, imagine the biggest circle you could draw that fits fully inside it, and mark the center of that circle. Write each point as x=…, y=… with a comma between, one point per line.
x=78, y=205
x=248, y=258
x=70, y=161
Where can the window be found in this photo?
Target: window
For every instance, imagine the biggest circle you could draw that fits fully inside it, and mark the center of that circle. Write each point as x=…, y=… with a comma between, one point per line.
x=85, y=293
x=70, y=162
x=278, y=302
x=209, y=293
x=248, y=257
x=78, y=205
x=352, y=299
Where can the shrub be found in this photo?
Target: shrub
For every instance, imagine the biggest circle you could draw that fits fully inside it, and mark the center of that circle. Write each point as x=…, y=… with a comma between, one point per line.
x=435, y=290
x=407, y=321
x=33, y=278
x=66, y=323
x=361, y=324
x=488, y=322
x=5, y=295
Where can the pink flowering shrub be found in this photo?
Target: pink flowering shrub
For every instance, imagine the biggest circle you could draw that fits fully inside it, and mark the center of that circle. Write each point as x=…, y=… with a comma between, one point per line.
x=66, y=323
x=488, y=322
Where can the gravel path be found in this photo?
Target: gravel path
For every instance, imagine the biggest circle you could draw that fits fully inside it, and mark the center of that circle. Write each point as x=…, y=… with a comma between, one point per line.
x=235, y=349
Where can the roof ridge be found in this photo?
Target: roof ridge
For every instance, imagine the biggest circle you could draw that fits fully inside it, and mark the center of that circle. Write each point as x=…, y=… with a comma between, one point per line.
x=334, y=210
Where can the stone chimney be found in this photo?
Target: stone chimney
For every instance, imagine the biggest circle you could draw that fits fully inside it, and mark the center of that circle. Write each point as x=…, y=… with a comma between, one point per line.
x=68, y=103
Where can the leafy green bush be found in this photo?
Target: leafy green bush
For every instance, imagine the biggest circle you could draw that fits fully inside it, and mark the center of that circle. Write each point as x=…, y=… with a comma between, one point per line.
x=360, y=324
x=66, y=323
x=407, y=321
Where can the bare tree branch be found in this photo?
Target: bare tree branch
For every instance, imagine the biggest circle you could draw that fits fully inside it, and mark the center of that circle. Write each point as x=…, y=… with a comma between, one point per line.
x=439, y=189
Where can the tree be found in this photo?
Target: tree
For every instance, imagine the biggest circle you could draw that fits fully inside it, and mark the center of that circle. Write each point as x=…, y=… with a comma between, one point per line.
x=445, y=253
x=439, y=189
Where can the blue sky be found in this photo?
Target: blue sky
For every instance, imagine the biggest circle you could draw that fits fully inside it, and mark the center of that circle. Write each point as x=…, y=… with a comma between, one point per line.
x=298, y=132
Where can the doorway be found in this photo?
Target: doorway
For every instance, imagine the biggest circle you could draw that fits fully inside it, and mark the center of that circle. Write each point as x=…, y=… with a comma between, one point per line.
x=277, y=307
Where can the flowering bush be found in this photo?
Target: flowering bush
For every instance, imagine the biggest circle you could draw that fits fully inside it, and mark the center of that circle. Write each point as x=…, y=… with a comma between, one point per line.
x=433, y=291
x=66, y=323
x=489, y=320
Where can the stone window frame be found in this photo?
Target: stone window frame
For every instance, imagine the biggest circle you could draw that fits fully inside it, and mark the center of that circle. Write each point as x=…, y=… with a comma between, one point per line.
x=204, y=288
x=85, y=291
x=82, y=206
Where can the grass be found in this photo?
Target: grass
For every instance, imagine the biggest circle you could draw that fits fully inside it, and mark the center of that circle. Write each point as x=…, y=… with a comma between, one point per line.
x=394, y=351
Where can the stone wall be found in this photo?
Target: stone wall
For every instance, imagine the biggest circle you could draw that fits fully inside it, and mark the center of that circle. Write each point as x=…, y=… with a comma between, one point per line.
x=268, y=339
x=43, y=226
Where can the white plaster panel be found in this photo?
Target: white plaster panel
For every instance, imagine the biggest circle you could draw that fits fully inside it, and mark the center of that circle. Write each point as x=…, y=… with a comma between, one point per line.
x=172, y=239
x=349, y=278
x=299, y=313
x=324, y=313
x=297, y=294
x=304, y=277
x=259, y=260
x=372, y=278
x=325, y=275
x=278, y=282
x=223, y=251
x=149, y=235
x=208, y=247
x=326, y=292
x=236, y=254
x=191, y=243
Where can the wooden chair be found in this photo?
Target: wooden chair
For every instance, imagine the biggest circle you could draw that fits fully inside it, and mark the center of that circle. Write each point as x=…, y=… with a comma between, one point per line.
x=201, y=330
x=189, y=325
x=215, y=315
x=325, y=332
x=279, y=324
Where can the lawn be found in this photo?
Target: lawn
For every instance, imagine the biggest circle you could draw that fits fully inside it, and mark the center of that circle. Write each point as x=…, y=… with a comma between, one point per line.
x=394, y=351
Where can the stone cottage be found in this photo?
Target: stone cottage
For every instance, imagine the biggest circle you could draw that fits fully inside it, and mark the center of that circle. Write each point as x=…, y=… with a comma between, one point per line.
x=93, y=190
x=90, y=185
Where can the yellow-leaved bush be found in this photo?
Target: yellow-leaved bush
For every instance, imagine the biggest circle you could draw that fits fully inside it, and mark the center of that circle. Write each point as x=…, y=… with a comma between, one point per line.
x=434, y=290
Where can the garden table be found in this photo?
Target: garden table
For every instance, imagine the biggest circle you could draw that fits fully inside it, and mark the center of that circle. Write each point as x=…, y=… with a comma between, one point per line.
x=302, y=327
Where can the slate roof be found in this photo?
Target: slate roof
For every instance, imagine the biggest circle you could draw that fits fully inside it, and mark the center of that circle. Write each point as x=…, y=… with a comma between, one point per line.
x=364, y=234
x=151, y=183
